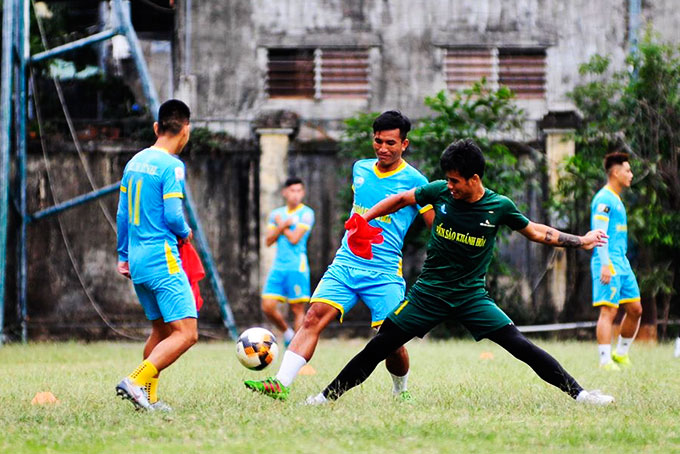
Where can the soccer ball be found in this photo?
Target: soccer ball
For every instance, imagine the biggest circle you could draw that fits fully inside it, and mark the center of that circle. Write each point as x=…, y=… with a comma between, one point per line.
x=256, y=348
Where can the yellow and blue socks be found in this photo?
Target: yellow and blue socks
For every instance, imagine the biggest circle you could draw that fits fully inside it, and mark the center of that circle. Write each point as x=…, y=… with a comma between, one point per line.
x=143, y=374
x=151, y=388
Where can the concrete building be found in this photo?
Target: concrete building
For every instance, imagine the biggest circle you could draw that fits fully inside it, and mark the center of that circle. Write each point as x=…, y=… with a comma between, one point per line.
x=326, y=59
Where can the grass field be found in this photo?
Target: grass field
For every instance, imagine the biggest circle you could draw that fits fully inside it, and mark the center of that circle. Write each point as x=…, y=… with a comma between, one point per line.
x=463, y=403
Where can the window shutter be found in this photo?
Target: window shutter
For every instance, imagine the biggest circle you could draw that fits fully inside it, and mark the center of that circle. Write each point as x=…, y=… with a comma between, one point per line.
x=463, y=67
x=344, y=73
x=523, y=71
x=290, y=73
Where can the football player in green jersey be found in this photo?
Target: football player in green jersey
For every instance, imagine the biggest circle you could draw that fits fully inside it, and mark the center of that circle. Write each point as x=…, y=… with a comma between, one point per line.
x=451, y=284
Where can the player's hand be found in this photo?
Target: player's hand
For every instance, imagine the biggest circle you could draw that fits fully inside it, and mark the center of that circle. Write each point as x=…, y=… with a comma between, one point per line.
x=281, y=224
x=187, y=239
x=361, y=236
x=124, y=269
x=593, y=239
x=605, y=274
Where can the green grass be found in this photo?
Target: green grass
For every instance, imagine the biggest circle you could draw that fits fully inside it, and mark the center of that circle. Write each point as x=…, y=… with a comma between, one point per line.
x=463, y=403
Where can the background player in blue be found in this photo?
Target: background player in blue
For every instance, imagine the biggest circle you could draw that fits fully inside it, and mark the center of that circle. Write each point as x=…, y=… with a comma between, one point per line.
x=288, y=227
x=614, y=282
x=377, y=282
x=150, y=222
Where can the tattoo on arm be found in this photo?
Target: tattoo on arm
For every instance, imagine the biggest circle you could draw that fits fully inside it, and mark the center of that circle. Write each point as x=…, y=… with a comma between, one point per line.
x=548, y=235
x=567, y=240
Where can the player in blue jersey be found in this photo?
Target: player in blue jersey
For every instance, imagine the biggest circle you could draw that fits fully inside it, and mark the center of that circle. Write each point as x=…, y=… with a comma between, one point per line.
x=150, y=223
x=377, y=282
x=614, y=282
x=288, y=227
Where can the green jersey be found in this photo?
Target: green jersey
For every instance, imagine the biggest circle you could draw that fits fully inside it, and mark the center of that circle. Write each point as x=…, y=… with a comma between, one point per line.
x=462, y=240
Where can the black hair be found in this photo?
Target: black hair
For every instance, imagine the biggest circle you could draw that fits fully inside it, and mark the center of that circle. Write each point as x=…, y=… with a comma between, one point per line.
x=615, y=158
x=392, y=119
x=464, y=157
x=172, y=116
x=291, y=181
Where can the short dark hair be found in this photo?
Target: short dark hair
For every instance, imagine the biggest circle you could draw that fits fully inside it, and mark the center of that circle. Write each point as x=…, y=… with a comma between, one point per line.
x=615, y=158
x=392, y=119
x=172, y=116
x=291, y=181
x=464, y=157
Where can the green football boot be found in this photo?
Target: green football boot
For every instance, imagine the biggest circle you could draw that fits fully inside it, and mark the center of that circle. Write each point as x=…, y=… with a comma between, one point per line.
x=622, y=360
x=269, y=387
x=611, y=366
x=404, y=396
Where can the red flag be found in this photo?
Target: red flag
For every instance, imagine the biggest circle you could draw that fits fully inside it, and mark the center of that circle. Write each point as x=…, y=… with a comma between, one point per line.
x=192, y=266
x=361, y=236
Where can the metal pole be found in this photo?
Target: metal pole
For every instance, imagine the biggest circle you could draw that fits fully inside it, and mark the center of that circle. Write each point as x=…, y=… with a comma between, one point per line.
x=122, y=9
x=69, y=47
x=5, y=142
x=209, y=263
x=22, y=101
x=58, y=208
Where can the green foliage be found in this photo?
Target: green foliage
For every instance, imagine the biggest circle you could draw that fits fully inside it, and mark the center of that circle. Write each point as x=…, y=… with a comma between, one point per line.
x=640, y=109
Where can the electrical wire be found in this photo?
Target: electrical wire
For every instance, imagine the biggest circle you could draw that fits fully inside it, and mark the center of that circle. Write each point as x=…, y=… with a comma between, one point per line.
x=162, y=9
x=71, y=127
x=88, y=173
x=67, y=243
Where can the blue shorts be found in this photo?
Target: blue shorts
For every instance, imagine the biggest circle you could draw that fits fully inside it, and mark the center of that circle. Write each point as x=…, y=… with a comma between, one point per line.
x=622, y=288
x=169, y=297
x=287, y=285
x=342, y=286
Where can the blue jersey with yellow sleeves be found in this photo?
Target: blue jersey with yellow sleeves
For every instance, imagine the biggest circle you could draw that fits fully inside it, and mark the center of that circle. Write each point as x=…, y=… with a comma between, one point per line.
x=145, y=237
x=291, y=256
x=608, y=213
x=370, y=186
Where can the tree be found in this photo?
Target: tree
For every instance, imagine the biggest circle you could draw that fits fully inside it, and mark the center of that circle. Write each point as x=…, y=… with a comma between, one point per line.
x=638, y=108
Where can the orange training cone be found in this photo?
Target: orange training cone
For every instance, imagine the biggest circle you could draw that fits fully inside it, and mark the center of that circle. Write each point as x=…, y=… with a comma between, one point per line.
x=43, y=398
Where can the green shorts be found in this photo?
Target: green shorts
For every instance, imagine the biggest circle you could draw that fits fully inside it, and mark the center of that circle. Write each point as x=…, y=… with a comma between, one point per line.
x=478, y=313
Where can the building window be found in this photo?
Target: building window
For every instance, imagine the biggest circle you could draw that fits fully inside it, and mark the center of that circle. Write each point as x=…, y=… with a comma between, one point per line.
x=466, y=66
x=521, y=70
x=318, y=73
x=290, y=73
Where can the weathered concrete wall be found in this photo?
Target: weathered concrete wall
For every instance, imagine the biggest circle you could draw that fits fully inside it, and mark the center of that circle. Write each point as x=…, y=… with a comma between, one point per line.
x=225, y=187
x=229, y=38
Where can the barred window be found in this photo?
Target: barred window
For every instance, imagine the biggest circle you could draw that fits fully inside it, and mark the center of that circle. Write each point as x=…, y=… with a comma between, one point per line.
x=521, y=70
x=318, y=73
x=290, y=73
x=466, y=66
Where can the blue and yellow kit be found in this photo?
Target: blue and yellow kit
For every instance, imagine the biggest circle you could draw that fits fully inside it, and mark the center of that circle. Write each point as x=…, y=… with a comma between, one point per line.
x=288, y=279
x=377, y=282
x=608, y=213
x=150, y=221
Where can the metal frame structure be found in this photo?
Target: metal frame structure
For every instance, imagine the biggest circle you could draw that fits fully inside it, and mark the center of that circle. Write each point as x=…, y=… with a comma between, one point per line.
x=16, y=59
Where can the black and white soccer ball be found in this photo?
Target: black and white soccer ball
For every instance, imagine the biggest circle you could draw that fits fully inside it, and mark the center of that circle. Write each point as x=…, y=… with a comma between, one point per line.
x=256, y=348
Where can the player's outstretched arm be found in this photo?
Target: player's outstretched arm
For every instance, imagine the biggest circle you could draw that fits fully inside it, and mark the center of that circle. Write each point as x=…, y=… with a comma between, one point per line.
x=391, y=204
x=545, y=234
